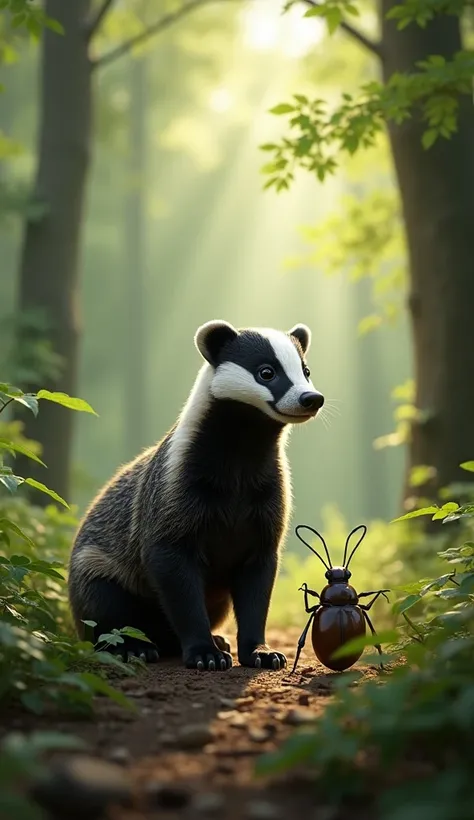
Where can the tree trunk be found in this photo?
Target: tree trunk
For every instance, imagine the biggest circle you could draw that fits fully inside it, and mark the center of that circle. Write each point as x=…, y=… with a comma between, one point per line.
x=437, y=191
x=135, y=358
x=51, y=245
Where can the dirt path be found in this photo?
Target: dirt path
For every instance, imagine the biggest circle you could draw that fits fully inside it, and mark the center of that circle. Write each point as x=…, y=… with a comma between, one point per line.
x=191, y=748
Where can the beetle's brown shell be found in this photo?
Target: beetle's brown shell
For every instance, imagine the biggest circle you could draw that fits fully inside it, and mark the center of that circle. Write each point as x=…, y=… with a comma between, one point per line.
x=333, y=626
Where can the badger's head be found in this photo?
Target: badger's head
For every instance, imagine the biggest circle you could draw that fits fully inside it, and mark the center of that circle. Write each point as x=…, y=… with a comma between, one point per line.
x=262, y=367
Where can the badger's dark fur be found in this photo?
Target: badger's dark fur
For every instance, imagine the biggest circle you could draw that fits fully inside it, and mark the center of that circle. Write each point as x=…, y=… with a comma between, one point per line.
x=193, y=526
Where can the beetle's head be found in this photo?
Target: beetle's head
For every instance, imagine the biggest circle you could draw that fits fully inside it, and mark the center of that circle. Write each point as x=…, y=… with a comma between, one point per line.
x=337, y=575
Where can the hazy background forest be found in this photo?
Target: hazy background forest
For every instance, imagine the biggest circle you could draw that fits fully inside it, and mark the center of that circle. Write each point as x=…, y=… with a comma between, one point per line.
x=178, y=230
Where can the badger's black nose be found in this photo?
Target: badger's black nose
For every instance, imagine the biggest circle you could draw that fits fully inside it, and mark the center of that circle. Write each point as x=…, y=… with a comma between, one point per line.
x=311, y=401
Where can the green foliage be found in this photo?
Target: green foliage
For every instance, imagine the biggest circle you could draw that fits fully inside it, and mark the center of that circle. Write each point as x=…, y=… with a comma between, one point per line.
x=20, y=757
x=364, y=239
x=333, y=11
x=41, y=664
x=28, y=15
x=406, y=744
x=320, y=135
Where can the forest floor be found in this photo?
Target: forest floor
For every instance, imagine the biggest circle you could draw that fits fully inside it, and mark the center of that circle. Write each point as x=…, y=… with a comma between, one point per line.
x=189, y=750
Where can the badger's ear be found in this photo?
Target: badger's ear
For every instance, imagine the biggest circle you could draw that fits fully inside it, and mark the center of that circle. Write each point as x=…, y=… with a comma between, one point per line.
x=211, y=337
x=303, y=334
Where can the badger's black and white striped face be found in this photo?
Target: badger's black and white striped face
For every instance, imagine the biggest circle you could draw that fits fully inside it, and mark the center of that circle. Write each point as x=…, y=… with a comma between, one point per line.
x=262, y=367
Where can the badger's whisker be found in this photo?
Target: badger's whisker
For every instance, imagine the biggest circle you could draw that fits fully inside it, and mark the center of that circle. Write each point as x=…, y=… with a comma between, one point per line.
x=324, y=418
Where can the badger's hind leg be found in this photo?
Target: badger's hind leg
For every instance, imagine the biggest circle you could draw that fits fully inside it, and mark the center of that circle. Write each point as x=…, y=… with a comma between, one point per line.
x=113, y=607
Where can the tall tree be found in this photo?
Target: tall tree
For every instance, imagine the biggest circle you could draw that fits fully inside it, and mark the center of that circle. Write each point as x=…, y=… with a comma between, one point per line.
x=49, y=265
x=437, y=194
x=50, y=259
x=426, y=101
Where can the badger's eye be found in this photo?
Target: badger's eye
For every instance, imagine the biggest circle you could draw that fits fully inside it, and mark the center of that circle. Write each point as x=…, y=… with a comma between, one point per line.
x=266, y=373
x=306, y=371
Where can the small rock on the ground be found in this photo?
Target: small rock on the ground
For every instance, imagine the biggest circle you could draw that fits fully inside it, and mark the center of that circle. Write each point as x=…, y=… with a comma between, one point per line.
x=208, y=803
x=167, y=739
x=297, y=717
x=262, y=810
x=119, y=755
x=83, y=787
x=303, y=699
x=227, y=703
x=195, y=736
x=259, y=735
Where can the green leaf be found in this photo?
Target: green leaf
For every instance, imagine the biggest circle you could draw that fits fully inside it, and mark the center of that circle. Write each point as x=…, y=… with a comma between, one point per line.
x=333, y=19
x=315, y=11
x=29, y=401
x=416, y=514
x=468, y=465
x=54, y=25
x=11, y=482
x=98, y=684
x=131, y=632
x=406, y=603
x=33, y=702
x=437, y=583
x=20, y=448
x=20, y=560
x=42, y=488
x=110, y=638
x=282, y=108
x=429, y=138
x=67, y=401
x=92, y=624
x=355, y=644
x=6, y=524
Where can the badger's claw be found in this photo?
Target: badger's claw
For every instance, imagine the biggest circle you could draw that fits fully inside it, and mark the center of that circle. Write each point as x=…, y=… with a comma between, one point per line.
x=264, y=659
x=207, y=658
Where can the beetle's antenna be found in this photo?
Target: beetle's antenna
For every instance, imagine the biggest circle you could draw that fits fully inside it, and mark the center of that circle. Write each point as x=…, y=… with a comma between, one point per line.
x=299, y=527
x=360, y=527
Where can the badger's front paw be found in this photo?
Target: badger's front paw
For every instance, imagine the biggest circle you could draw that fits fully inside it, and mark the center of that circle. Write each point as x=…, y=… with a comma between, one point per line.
x=207, y=657
x=263, y=658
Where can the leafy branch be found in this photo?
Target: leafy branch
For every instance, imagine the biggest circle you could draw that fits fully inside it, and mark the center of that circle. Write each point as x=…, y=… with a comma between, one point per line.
x=9, y=394
x=322, y=135
x=332, y=11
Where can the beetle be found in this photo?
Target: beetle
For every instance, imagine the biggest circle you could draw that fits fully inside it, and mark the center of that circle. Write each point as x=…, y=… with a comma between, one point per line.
x=338, y=617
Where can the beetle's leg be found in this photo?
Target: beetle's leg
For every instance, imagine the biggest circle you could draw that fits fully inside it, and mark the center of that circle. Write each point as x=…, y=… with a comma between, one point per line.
x=307, y=592
x=376, y=595
x=377, y=645
x=302, y=639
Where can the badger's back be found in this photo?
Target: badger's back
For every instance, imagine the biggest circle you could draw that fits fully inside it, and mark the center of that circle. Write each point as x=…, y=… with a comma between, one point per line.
x=107, y=543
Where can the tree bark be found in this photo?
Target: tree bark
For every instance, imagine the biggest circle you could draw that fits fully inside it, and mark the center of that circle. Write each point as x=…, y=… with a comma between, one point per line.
x=49, y=265
x=437, y=192
x=135, y=358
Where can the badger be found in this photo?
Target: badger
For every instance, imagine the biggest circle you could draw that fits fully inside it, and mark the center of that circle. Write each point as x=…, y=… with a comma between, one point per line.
x=193, y=526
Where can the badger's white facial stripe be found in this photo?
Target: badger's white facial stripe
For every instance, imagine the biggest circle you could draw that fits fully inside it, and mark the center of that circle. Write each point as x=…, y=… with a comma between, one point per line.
x=290, y=360
x=287, y=355
x=231, y=381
